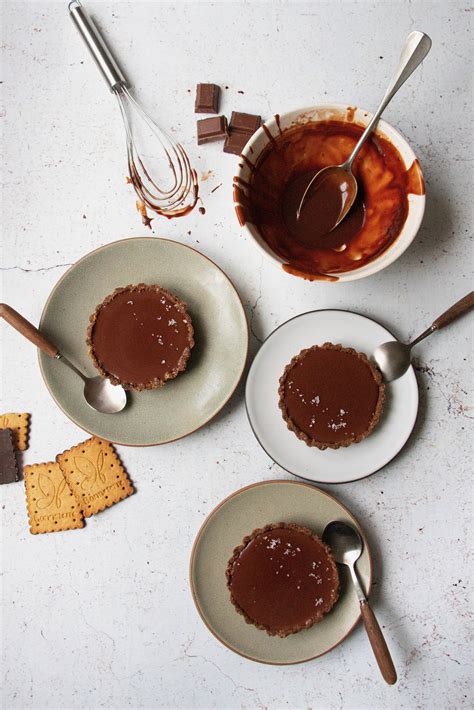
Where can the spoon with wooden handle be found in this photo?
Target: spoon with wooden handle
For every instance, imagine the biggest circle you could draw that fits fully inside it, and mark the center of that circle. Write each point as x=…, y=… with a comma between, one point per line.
x=346, y=548
x=99, y=393
x=394, y=358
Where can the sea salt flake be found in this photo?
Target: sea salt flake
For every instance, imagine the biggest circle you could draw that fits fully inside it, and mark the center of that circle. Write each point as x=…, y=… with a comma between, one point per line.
x=129, y=303
x=273, y=543
x=335, y=427
x=171, y=321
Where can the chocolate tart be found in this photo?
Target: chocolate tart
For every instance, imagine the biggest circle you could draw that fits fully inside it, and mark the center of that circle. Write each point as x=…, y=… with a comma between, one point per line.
x=140, y=337
x=282, y=579
x=331, y=396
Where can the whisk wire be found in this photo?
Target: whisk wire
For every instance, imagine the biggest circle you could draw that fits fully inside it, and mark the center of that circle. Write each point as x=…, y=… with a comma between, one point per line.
x=182, y=195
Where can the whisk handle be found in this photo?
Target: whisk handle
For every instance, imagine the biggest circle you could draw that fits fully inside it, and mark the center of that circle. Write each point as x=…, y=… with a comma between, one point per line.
x=101, y=54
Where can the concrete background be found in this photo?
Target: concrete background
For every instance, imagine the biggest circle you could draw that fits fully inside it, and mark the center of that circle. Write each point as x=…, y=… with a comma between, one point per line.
x=103, y=617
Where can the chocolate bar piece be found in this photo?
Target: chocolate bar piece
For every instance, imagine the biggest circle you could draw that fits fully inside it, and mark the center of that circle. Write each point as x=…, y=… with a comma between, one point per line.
x=244, y=122
x=207, y=98
x=8, y=463
x=211, y=129
x=236, y=141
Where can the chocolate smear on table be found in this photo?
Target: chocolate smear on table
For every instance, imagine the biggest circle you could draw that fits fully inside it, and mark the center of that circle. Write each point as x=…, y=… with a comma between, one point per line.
x=141, y=207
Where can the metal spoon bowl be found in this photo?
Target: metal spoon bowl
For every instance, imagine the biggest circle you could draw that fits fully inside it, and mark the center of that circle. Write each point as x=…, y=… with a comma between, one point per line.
x=99, y=393
x=416, y=47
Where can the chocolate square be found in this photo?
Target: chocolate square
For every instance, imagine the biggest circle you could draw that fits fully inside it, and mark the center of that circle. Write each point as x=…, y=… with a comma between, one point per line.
x=236, y=142
x=8, y=463
x=244, y=122
x=207, y=98
x=211, y=129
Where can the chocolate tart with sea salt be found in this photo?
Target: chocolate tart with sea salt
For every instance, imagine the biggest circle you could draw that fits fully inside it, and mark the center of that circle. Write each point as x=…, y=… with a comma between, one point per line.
x=331, y=396
x=140, y=337
x=282, y=579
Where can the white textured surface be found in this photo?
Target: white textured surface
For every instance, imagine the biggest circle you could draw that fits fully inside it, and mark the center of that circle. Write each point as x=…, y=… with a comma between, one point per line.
x=103, y=617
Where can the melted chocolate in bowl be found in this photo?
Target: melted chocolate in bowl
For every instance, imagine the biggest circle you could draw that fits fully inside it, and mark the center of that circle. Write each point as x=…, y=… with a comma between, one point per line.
x=283, y=579
x=307, y=246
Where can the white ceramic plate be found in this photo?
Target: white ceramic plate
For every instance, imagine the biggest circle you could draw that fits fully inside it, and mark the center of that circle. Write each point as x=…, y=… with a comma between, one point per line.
x=261, y=395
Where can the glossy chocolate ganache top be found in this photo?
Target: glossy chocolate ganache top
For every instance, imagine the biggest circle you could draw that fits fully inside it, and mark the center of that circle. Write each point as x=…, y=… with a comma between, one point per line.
x=282, y=579
x=140, y=336
x=331, y=396
x=270, y=198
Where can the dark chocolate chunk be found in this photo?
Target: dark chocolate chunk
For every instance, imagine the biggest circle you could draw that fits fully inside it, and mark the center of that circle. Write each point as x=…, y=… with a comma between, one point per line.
x=8, y=464
x=211, y=129
x=244, y=122
x=236, y=142
x=207, y=98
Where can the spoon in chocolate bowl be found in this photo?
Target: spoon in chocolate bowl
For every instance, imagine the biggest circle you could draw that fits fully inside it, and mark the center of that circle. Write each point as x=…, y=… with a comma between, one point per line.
x=346, y=547
x=99, y=393
x=394, y=358
x=324, y=201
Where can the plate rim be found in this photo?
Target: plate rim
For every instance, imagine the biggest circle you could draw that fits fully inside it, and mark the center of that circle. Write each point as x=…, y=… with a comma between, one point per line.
x=204, y=525
x=150, y=239
x=299, y=475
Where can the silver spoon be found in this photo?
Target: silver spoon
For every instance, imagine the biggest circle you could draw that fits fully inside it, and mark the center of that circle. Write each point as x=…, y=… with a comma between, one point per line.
x=342, y=180
x=394, y=358
x=99, y=393
x=346, y=547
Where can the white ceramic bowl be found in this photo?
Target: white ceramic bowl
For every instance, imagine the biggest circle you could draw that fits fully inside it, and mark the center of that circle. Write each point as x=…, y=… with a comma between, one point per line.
x=327, y=112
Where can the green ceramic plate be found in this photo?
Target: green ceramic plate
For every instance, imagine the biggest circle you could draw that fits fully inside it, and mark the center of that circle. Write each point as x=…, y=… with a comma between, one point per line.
x=250, y=508
x=217, y=360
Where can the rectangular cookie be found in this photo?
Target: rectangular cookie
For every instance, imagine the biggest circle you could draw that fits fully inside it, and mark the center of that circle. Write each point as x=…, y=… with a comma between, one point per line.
x=51, y=505
x=95, y=475
x=8, y=462
x=19, y=424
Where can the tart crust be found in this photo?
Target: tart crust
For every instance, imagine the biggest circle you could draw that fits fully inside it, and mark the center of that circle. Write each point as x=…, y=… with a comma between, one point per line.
x=351, y=439
x=156, y=381
x=319, y=611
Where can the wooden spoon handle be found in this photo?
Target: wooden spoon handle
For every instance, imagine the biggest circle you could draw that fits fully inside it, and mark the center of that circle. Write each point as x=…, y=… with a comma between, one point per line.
x=462, y=306
x=377, y=641
x=28, y=330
